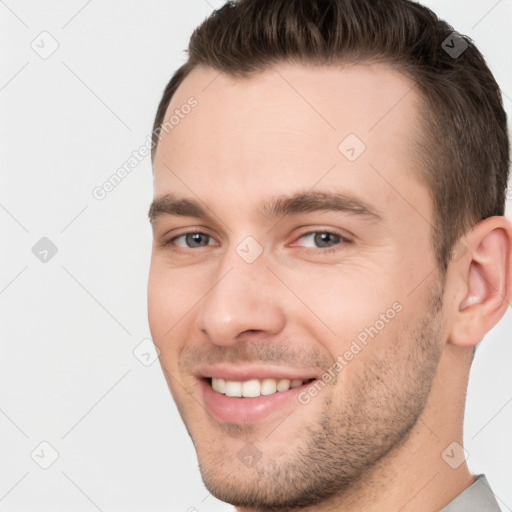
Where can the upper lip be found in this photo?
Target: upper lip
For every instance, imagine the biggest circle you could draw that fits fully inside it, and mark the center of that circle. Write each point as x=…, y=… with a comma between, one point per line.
x=241, y=373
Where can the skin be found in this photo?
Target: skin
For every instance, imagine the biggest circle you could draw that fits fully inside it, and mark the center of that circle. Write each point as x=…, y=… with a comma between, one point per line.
x=373, y=438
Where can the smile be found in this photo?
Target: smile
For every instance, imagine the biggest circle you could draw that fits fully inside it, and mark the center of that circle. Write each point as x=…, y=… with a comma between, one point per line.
x=250, y=395
x=254, y=387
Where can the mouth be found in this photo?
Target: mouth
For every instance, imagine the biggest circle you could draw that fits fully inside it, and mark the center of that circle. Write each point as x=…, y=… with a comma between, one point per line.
x=233, y=399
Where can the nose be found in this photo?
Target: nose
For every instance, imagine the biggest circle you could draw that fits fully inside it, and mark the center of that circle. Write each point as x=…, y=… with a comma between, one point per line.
x=243, y=297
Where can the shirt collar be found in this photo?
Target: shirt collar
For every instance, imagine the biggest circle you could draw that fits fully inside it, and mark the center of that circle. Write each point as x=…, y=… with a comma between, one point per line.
x=476, y=498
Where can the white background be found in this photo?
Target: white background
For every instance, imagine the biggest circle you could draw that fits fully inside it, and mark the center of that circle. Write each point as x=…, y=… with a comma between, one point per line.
x=69, y=326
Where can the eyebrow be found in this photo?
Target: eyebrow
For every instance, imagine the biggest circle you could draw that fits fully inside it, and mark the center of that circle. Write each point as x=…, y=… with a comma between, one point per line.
x=273, y=207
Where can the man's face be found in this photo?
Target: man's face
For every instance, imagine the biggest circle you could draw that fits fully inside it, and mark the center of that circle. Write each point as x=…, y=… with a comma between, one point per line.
x=331, y=315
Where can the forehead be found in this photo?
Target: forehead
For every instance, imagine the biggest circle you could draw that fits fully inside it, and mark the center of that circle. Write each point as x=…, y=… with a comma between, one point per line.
x=287, y=128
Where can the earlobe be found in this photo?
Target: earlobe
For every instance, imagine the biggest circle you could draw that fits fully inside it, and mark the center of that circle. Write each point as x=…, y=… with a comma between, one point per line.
x=481, y=282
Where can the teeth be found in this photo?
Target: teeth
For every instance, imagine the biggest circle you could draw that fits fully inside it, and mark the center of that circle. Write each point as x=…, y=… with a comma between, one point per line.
x=253, y=388
x=219, y=385
x=268, y=386
x=233, y=388
x=283, y=385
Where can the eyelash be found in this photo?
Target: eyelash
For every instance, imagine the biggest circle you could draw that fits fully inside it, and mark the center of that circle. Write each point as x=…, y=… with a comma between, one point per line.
x=343, y=239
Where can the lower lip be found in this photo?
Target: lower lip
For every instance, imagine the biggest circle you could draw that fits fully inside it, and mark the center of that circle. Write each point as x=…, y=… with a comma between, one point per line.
x=247, y=410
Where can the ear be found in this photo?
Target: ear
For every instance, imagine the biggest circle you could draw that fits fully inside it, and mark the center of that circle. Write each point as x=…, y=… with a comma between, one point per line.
x=479, y=282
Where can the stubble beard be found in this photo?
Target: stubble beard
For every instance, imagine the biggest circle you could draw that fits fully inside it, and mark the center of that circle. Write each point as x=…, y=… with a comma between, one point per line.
x=380, y=407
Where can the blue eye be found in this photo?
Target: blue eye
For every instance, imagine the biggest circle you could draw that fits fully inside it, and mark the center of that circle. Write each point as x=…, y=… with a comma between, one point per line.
x=192, y=240
x=323, y=239
x=317, y=241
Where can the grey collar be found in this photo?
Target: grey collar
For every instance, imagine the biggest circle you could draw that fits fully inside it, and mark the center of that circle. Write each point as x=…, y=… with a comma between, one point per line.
x=476, y=498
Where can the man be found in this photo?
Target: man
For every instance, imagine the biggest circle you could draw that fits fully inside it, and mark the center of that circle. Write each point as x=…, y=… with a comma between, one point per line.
x=329, y=247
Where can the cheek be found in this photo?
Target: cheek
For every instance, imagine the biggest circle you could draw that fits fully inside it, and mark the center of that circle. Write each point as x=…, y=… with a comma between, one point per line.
x=167, y=310
x=157, y=302
x=169, y=301
x=347, y=299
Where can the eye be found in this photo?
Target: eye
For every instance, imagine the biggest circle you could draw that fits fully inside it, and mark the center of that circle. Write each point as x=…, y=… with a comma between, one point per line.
x=321, y=241
x=191, y=240
x=324, y=241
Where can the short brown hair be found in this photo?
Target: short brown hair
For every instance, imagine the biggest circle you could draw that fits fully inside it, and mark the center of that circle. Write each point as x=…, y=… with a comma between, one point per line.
x=465, y=147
